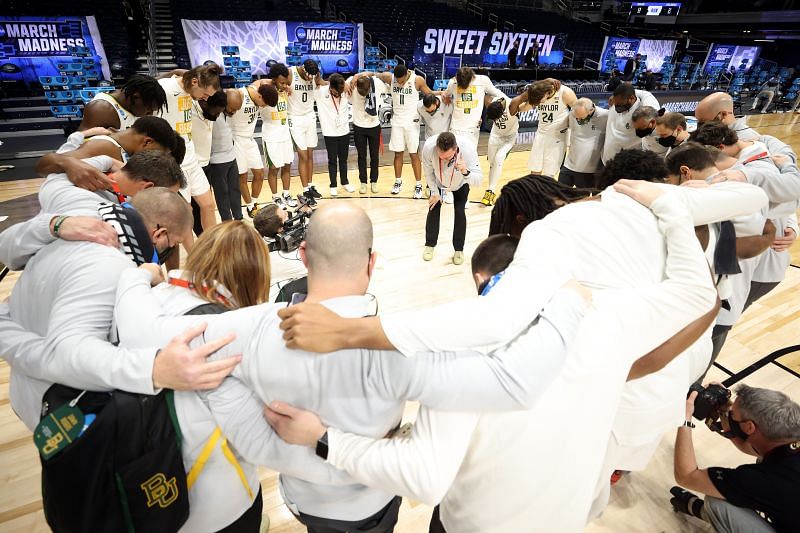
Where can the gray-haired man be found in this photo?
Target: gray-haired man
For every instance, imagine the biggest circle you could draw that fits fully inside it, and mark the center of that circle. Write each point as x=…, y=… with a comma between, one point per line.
x=587, y=127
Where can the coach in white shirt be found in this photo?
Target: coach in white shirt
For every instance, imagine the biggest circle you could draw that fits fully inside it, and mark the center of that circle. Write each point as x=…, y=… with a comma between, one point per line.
x=620, y=131
x=587, y=130
x=644, y=124
x=365, y=96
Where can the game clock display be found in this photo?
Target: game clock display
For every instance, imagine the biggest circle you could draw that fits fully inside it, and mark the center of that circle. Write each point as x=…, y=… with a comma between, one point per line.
x=655, y=9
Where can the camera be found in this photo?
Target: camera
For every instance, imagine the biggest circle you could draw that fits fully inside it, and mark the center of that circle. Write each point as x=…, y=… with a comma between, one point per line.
x=711, y=401
x=294, y=232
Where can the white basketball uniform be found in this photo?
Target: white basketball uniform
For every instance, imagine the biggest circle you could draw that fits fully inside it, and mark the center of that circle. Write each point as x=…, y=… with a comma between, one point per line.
x=501, y=140
x=243, y=127
x=405, y=119
x=549, y=143
x=275, y=133
x=126, y=118
x=179, y=115
x=302, y=119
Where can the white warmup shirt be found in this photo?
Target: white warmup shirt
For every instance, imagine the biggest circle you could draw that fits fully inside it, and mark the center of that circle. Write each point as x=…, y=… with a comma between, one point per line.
x=620, y=133
x=438, y=121
x=275, y=121
x=222, y=142
x=201, y=134
x=586, y=142
x=332, y=112
x=468, y=103
x=443, y=174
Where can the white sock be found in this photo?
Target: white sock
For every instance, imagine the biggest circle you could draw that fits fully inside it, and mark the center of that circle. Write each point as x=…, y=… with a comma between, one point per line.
x=250, y=205
x=419, y=183
x=305, y=189
x=275, y=195
x=286, y=193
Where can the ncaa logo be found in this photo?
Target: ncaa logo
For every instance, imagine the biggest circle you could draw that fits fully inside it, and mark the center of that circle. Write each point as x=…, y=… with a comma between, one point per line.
x=300, y=33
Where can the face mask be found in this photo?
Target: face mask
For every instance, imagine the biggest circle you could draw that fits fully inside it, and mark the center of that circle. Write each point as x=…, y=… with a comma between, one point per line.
x=585, y=120
x=161, y=257
x=668, y=142
x=644, y=133
x=623, y=108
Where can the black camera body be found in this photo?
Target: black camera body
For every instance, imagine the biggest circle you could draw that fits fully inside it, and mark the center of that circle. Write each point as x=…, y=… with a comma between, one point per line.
x=710, y=401
x=294, y=232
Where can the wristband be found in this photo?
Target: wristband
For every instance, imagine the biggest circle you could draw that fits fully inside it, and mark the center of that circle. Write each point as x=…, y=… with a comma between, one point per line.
x=57, y=225
x=322, y=447
x=688, y=424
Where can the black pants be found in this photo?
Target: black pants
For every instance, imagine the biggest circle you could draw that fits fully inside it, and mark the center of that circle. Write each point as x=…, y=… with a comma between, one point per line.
x=367, y=138
x=250, y=521
x=436, y=525
x=224, y=179
x=381, y=522
x=337, y=156
x=581, y=180
x=198, y=224
x=459, y=224
x=720, y=333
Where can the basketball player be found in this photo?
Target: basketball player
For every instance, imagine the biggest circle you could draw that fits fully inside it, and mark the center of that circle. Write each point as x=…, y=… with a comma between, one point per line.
x=147, y=133
x=302, y=120
x=278, y=151
x=242, y=112
x=468, y=91
x=140, y=96
x=503, y=113
x=552, y=100
x=434, y=114
x=405, y=86
x=198, y=83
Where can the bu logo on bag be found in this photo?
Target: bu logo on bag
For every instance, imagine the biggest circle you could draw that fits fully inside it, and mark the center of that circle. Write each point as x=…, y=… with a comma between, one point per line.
x=159, y=490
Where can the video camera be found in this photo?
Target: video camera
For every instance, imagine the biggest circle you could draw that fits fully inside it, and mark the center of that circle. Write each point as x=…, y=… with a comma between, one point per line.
x=294, y=232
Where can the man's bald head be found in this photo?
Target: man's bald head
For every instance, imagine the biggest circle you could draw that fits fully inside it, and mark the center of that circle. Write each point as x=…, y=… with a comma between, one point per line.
x=235, y=101
x=710, y=107
x=160, y=207
x=338, y=241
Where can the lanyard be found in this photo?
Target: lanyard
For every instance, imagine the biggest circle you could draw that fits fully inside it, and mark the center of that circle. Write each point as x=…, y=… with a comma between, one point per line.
x=214, y=289
x=491, y=283
x=123, y=200
x=756, y=157
x=335, y=105
x=452, y=172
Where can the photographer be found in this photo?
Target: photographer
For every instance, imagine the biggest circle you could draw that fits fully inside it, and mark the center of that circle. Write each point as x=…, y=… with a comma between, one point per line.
x=283, y=232
x=763, y=423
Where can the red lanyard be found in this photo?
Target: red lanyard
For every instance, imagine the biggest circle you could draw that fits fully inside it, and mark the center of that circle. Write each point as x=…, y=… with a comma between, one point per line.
x=118, y=193
x=216, y=291
x=335, y=105
x=756, y=157
x=452, y=173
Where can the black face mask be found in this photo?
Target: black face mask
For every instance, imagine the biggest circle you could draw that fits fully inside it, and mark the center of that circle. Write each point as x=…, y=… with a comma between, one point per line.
x=160, y=257
x=583, y=121
x=644, y=133
x=668, y=141
x=623, y=108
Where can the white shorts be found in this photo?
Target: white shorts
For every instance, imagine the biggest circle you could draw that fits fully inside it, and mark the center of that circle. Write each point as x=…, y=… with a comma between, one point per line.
x=247, y=154
x=278, y=153
x=547, y=154
x=196, y=180
x=473, y=134
x=404, y=138
x=304, y=130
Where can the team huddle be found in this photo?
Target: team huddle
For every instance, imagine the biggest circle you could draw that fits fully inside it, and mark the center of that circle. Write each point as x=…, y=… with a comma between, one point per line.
x=594, y=314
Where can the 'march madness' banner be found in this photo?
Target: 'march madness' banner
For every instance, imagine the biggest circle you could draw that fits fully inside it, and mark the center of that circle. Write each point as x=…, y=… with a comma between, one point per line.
x=481, y=47
x=33, y=46
x=336, y=46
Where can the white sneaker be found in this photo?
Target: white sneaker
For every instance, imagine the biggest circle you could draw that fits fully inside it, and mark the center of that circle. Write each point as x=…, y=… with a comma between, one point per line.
x=277, y=200
x=334, y=192
x=288, y=200
x=349, y=188
x=398, y=184
x=447, y=197
x=418, y=191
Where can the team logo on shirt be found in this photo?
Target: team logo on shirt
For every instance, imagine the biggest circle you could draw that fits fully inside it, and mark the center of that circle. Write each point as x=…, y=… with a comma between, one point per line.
x=465, y=99
x=160, y=490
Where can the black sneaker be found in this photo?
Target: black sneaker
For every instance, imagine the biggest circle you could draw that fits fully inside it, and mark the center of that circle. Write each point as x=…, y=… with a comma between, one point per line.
x=686, y=502
x=312, y=192
x=311, y=201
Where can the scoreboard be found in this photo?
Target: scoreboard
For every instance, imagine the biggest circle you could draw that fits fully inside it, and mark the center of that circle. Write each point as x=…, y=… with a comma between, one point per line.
x=655, y=12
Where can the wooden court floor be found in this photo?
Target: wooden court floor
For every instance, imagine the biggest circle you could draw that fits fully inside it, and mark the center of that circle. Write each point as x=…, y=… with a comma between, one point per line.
x=639, y=503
